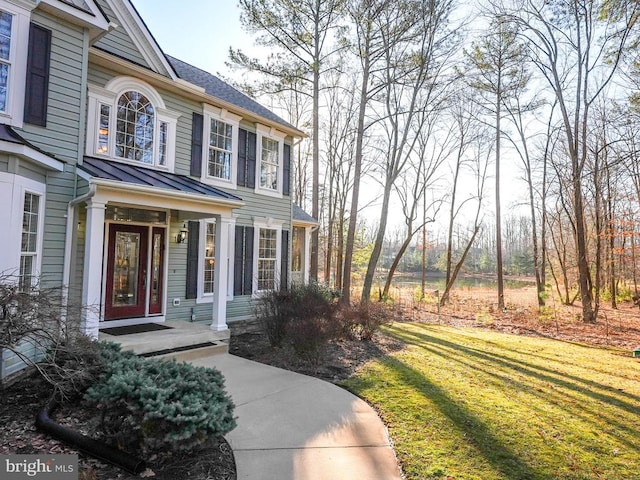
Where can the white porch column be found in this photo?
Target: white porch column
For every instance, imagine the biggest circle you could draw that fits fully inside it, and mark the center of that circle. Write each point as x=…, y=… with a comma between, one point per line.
x=219, y=323
x=92, y=280
x=307, y=254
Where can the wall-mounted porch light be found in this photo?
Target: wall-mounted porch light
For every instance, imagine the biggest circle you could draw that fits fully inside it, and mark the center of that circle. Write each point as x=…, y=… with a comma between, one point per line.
x=181, y=237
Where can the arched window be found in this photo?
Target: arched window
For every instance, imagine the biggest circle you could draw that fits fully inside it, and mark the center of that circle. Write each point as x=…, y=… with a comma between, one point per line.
x=134, y=128
x=128, y=121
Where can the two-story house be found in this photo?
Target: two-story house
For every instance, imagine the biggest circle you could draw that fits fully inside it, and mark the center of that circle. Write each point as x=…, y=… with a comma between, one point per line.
x=151, y=188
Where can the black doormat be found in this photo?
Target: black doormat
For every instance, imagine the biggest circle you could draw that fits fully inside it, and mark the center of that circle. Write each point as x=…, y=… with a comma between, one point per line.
x=131, y=329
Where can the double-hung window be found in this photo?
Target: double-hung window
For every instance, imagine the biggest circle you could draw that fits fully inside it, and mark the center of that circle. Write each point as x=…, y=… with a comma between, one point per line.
x=267, y=258
x=220, y=149
x=128, y=121
x=30, y=239
x=269, y=171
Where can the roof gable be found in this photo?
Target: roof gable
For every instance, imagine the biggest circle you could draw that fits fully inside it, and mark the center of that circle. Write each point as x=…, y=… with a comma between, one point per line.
x=129, y=38
x=83, y=12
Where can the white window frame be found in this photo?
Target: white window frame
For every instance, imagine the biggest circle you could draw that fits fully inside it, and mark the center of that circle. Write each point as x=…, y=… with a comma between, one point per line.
x=262, y=131
x=12, y=192
x=17, y=79
x=220, y=114
x=268, y=224
x=109, y=96
x=205, y=297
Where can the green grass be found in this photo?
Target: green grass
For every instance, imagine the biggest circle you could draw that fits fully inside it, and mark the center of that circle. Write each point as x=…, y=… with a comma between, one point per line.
x=473, y=404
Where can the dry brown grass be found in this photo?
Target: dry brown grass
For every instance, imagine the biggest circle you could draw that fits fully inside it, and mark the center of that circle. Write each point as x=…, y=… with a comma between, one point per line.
x=477, y=307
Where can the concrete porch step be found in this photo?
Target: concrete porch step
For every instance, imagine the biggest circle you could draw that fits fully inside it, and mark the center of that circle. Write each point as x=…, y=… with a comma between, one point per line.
x=176, y=341
x=196, y=351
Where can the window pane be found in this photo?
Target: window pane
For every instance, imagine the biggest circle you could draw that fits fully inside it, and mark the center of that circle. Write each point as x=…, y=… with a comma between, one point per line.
x=162, y=154
x=209, y=257
x=220, y=148
x=4, y=85
x=103, y=129
x=26, y=273
x=5, y=35
x=135, y=127
x=269, y=164
x=29, y=244
x=267, y=257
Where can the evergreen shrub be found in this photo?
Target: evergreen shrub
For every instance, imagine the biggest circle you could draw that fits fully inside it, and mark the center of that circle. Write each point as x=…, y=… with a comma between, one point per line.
x=159, y=406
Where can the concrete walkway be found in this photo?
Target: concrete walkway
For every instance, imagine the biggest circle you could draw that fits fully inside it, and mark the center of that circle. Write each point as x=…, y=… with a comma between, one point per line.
x=292, y=426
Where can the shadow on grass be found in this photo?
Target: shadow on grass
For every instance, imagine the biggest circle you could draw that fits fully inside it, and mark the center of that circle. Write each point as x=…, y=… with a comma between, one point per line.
x=559, y=398
x=538, y=371
x=505, y=461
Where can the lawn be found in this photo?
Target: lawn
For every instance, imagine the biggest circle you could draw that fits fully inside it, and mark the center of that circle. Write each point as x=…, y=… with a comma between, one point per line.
x=472, y=404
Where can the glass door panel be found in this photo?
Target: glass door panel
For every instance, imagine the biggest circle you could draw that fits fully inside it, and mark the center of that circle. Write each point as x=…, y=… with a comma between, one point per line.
x=126, y=272
x=157, y=271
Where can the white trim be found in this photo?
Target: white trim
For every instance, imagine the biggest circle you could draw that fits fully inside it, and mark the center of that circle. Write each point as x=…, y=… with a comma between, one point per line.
x=109, y=95
x=195, y=92
x=147, y=46
x=273, y=134
x=203, y=297
x=17, y=80
x=267, y=224
x=28, y=153
x=95, y=21
x=12, y=190
x=141, y=195
x=214, y=113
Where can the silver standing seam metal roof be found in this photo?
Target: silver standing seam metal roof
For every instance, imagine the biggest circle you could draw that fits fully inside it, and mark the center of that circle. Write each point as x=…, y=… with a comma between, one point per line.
x=123, y=172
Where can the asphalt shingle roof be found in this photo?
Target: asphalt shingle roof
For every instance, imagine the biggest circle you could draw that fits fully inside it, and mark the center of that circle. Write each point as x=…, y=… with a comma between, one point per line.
x=218, y=88
x=300, y=215
x=122, y=172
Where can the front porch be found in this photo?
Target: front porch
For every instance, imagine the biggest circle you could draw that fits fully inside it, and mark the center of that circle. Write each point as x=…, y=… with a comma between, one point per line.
x=182, y=340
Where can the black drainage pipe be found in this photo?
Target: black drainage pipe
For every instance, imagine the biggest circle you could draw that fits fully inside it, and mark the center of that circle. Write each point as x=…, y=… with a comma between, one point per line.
x=86, y=444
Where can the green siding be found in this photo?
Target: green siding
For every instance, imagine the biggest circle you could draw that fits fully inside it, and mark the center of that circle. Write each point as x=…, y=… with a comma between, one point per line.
x=257, y=206
x=61, y=137
x=118, y=41
x=11, y=363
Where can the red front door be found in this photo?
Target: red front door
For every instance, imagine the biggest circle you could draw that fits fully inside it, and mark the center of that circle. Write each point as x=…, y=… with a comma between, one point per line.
x=126, y=290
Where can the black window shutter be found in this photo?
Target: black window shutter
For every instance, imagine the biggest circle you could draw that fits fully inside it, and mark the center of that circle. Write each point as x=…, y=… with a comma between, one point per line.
x=197, y=134
x=243, y=261
x=248, y=262
x=192, y=259
x=286, y=170
x=284, y=267
x=251, y=159
x=242, y=158
x=238, y=264
x=37, y=87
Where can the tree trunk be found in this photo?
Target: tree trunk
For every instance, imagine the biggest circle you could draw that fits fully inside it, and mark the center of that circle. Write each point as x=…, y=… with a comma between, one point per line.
x=377, y=246
x=498, y=213
x=355, y=193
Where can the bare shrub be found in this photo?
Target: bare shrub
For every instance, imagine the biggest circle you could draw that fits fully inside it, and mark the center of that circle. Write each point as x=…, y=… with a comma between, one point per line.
x=365, y=319
x=43, y=319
